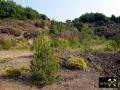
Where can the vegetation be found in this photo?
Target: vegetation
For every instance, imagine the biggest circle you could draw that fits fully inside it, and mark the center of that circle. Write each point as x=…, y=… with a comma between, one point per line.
x=111, y=46
x=60, y=43
x=116, y=38
x=98, y=67
x=5, y=44
x=44, y=68
x=40, y=24
x=89, y=17
x=56, y=27
x=77, y=63
x=13, y=72
x=9, y=9
x=86, y=39
x=100, y=31
x=21, y=43
x=115, y=19
x=4, y=60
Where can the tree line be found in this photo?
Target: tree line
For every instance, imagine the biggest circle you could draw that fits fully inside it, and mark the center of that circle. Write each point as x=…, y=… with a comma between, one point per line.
x=9, y=9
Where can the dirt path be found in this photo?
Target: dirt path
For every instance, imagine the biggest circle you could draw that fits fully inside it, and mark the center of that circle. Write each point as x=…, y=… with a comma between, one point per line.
x=15, y=53
x=70, y=80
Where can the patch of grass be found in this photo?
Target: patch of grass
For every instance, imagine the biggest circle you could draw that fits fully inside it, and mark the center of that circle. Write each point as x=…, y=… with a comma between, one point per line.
x=99, y=50
x=13, y=72
x=7, y=44
x=4, y=60
x=77, y=63
x=22, y=46
x=24, y=68
x=99, y=68
x=22, y=43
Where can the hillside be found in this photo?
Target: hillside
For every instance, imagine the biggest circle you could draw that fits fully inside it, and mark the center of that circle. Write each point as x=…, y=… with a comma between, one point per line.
x=37, y=53
x=18, y=28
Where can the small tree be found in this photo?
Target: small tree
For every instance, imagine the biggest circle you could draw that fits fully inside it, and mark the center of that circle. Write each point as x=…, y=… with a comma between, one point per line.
x=44, y=68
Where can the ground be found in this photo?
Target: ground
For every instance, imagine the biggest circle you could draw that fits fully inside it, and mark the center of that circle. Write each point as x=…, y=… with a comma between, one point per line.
x=69, y=79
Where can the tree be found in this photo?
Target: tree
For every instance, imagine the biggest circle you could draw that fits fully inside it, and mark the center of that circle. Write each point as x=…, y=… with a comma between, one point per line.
x=44, y=68
x=77, y=24
x=113, y=18
x=93, y=17
x=9, y=9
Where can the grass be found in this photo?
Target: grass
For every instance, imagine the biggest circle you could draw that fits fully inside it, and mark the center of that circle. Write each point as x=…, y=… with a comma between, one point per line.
x=13, y=72
x=4, y=60
x=99, y=68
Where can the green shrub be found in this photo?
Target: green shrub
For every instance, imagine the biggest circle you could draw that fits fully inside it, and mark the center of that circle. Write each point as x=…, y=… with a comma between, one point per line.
x=74, y=43
x=60, y=43
x=98, y=67
x=117, y=39
x=7, y=44
x=13, y=72
x=44, y=68
x=40, y=24
x=77, y=63
x=111, y=46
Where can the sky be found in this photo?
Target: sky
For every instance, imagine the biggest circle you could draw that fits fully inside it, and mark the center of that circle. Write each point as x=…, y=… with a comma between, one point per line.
x=63, y=10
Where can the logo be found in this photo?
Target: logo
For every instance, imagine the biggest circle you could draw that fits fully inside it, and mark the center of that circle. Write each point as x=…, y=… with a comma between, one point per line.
x=108, y=82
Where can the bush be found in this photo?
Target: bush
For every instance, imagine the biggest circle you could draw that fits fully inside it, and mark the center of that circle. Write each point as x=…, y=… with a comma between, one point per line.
x=93, y=17
x=44, y=68
x=60, y=43
x=116, y=38
x=40, y=24
x=77, y=63
x=7, y=44
x=13, y=72
x=111, y=46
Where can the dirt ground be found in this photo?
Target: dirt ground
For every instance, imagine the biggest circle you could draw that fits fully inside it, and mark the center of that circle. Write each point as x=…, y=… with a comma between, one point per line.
x=69, y=79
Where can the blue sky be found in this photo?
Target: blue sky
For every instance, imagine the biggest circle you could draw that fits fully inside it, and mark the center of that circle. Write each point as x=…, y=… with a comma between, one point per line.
x=70, y=9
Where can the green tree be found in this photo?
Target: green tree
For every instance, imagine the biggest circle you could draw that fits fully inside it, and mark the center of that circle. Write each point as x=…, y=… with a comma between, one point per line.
x=44, y=68
x=9, y=9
